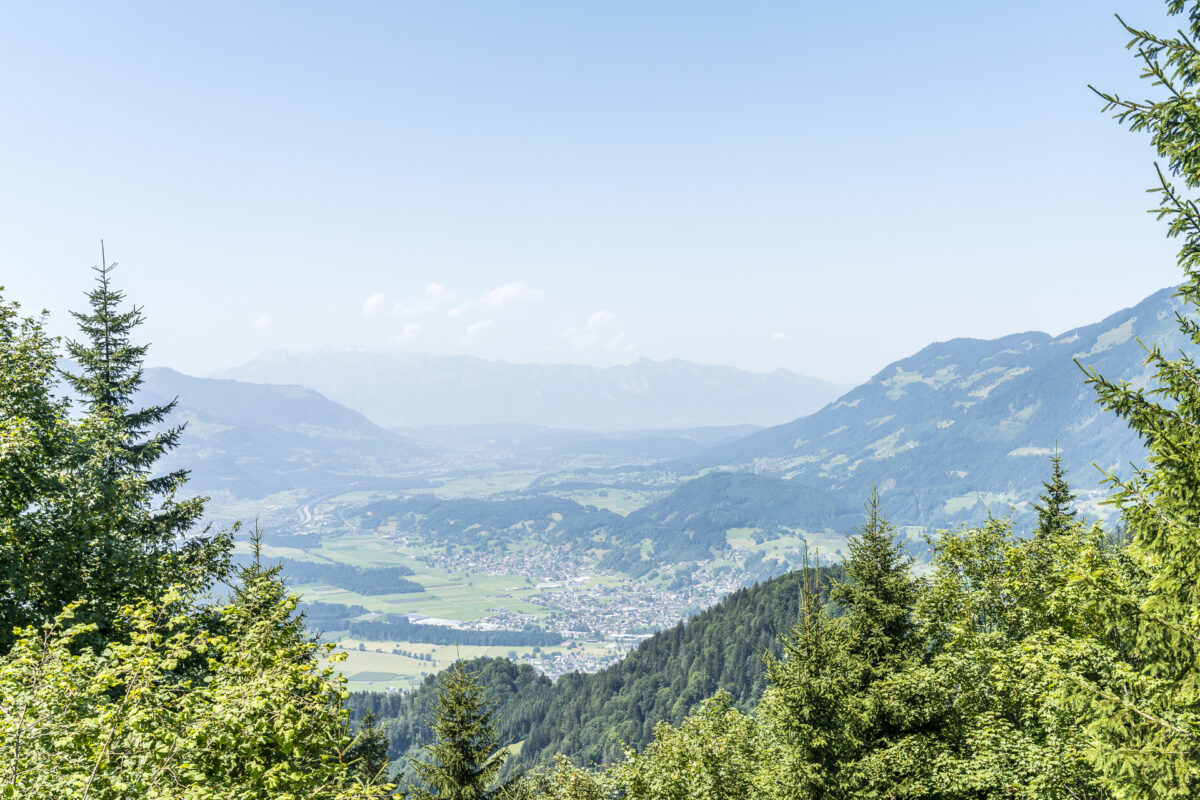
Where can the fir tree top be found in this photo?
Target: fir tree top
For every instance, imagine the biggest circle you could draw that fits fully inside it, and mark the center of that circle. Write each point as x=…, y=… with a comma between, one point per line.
x=464, y=759
x=1055, y=515
x=881, y=591
x=110, y=374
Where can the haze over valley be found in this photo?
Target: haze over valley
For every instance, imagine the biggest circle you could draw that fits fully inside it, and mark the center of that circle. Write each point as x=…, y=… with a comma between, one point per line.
x=604, y=536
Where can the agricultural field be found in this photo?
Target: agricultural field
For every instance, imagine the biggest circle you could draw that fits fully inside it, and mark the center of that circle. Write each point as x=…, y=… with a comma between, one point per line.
x=392, y=666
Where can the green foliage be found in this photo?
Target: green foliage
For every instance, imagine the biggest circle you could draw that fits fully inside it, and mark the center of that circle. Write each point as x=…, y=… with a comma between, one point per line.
x=263, y=719
x=823, y=714
x=82, y=517
x=1144, y=720
x=464, y=759
x=566, y=781
x=712, y=755
x=36, y=452
x=367, y=752
x=978, y=716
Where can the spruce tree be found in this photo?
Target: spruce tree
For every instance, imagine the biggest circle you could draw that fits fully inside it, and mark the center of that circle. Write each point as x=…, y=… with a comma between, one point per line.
x=110, y=374
x=1055, y=514
x=824, y=706
x=464, y=761
x=809, y=730
x=367, y=754
x=123, y=530
x=1144, y=719
x=879, y=595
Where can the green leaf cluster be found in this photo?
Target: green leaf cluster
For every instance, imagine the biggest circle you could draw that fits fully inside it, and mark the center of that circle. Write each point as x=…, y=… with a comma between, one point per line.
x=119, y=677
x=233, y=703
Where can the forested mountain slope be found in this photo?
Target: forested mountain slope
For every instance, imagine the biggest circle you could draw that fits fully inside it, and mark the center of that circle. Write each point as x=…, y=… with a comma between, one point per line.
x=965, y=424
x=590, y=716
x=687, y=524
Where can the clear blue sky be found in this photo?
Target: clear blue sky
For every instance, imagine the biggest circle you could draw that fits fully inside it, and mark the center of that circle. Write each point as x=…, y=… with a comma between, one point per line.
x=819, y=186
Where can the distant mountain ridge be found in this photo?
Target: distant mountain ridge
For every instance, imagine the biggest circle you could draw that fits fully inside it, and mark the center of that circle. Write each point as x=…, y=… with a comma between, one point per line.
x=966, y=426
x=254, y=439
x=407, y=390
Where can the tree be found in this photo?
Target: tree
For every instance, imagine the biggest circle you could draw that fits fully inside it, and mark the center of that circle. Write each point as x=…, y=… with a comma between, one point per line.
x=265, y=720
x=808, y=716
x=1145, y=722
x=124, y=532
x=35, y=449
x=464, y=761
x=978, y=716
x=878, y=596
x=1055, y=514
x=825, y=706
x=712, y=755
x=368, y=751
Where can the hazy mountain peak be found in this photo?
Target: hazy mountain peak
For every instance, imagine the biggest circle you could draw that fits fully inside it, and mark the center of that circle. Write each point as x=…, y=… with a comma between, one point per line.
x=402, y=389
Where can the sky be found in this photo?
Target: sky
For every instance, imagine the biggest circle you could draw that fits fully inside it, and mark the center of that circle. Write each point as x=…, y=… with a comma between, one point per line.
x=823, y=187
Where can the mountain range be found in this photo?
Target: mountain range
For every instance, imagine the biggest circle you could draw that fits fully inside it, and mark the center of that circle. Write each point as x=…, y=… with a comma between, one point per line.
x=412, y=390
x=252, y=440
x=958, y=430
x=964, y=427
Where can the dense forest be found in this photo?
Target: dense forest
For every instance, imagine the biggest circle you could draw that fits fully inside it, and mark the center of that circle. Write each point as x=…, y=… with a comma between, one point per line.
x=326, y=617
x=403, y=631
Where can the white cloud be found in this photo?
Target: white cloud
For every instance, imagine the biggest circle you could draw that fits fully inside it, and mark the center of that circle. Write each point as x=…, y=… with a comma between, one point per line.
x=508, y=293
x=263, y=321
x=477, y=327
x=499, y=297
x=602, y=329
x=598, y=320
x=434, y=296
x=372, y=304
x=778, y=336
x=410, y=332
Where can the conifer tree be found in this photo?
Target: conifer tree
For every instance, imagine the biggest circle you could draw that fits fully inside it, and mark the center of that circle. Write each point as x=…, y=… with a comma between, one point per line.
x=1144, y=719
x=125, y=526
x=879, y=595
x=808, y=726
x=110, y=374
x=1055, y=514
x=823, y=707
x=367, y=754
x=464, y=761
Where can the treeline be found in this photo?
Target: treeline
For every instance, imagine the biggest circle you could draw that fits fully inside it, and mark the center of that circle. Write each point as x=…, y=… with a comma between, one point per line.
x=592, y=716
x=366, y=581
x=404, y=631
x=323, y=617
